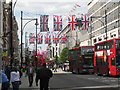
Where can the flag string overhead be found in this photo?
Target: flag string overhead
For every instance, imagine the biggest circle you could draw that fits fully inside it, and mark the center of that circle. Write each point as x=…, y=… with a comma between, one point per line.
x=72, y=22
x=31, y=38
x=47, y=38
x=63, y=38
x=57, y=22
x=55, y=38
x=44, y=23
x=85, y=21
x=40, y=38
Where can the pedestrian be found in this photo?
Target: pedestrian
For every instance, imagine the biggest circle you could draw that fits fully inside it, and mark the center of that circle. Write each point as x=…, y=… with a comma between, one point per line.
x=55, y=67
x=30, y=73
x=15, y=78
x=7, y=71
x=5, y=81
x=44, y=74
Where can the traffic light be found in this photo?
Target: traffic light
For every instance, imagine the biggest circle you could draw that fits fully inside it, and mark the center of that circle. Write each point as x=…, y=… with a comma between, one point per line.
x=35, y=58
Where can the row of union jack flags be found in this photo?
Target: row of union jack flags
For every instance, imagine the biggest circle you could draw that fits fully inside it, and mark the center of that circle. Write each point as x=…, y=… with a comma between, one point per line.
x=57, y=22
x=47, y=38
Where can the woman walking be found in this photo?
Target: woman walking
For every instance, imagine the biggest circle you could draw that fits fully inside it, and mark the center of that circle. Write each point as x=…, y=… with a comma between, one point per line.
x=15, y=78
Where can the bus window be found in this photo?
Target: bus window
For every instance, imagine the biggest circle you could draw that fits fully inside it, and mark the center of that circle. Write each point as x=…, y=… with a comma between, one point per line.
x=117, y=45
x=38, y=56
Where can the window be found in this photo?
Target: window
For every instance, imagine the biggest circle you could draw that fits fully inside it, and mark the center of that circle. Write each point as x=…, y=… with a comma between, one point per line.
x=39, y=56
x=104, y=45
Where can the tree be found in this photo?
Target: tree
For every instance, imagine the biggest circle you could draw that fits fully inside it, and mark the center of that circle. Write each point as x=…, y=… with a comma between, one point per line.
x=64, y=55
x=47, y=58
x=54, y=60
x=77, y=45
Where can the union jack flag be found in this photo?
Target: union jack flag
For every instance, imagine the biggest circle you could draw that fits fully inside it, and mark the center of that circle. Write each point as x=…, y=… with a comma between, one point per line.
x=44, y=23
x=57, y=22
x=84, y=21
x=40, y=38
x=55, y=38
x=31, y=38
x=72, y=22
x=47, y=38
x=63, y=38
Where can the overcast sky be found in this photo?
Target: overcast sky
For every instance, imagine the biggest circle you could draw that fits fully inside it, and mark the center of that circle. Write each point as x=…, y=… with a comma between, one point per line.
x=35, y=8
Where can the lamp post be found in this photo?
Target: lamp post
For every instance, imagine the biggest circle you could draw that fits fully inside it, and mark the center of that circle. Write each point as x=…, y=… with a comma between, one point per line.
x=105, y=25
x=36, y=42
x=11, y=36
x=79, y=26
x=22, y=28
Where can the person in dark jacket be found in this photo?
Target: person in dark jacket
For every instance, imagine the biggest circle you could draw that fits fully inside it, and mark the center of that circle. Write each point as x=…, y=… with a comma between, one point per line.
x=44, y=74
x=30, y=72
x=7, y=71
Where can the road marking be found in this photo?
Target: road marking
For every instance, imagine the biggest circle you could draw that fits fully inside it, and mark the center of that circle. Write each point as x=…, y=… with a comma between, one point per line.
x=91, y=87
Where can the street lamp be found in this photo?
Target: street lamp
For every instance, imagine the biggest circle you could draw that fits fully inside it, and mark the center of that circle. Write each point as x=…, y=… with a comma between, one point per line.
x=105, y=25
x=11, y=33
x=22, y=28
x=79, y=26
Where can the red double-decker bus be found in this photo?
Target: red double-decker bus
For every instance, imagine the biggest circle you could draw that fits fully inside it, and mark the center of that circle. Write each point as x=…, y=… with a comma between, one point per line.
x=40, y=61
x=107, y=57
x=50, y=64
x=81, y=59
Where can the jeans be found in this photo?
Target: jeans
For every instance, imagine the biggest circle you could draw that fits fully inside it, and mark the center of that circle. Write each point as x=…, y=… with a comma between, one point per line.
x=30, y=77
x=5, y=85
x=15, y=85
x=44, y=83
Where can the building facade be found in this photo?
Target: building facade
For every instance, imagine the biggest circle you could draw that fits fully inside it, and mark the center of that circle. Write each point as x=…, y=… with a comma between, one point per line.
x=104, y=20
x=6, y=37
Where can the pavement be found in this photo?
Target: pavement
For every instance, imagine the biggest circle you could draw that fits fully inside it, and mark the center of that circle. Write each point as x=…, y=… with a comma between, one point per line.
x=0, y=86
x=25, y=84
x=59, y=70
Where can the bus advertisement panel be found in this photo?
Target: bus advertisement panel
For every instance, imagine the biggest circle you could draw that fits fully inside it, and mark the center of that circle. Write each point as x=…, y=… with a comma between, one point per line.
x=106, y=57
x=81, y=59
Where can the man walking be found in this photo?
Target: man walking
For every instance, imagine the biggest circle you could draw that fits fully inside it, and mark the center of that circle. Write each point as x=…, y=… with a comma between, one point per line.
x=30, y=73
x=44, y=74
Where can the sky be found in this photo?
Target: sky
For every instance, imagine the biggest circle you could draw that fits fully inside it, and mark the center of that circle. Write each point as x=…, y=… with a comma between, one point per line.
x=35, y=8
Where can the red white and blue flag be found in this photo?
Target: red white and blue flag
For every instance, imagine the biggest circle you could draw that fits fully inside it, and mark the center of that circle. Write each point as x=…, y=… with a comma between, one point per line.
x=31, y=38
x=57, y=22
x=72, y=22
x=44, y=23
x=40, y=38
x=55, y=38
x=63, y=38
x=47, y=38
x=84, y=21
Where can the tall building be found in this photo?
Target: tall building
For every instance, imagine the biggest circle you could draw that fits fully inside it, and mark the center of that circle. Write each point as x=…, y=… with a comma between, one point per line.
x=1, y=34
x=104, y=20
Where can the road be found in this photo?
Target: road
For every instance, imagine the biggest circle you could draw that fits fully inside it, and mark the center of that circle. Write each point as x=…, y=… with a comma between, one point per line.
x=68, y=81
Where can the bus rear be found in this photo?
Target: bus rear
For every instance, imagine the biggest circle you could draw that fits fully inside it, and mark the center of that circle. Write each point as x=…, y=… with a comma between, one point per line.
x=106, y=57
x=87, y=59
x=39, y=61
x=50, y=64
x=81, y=59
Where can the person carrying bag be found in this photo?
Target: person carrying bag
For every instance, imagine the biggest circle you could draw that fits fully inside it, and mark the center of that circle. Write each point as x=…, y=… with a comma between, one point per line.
x=15, y=78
